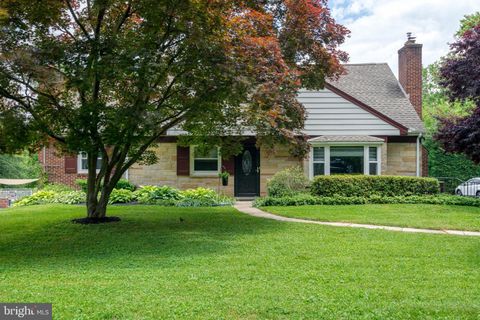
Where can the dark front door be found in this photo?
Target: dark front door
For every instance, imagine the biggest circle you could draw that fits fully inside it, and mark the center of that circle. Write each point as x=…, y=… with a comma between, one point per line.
x=247, y=172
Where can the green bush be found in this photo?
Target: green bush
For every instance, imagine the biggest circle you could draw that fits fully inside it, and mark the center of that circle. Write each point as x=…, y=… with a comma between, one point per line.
x=155, y=195
x=364, y=186
x=288, y=182
x=70, y=197
x=202, y=197
x=121, y=184
x=38, y=197
x=306, y=199
x=121, y=196
x=125, y=184
x=56, y=187
x=50, y=196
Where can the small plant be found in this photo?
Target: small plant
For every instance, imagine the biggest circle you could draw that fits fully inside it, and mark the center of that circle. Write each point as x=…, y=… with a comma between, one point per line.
x=39, y=197
x=121, y=184
x=70, y=197
x=288, y=182
x=199, y=197
x=56, y=187
x=121, y=196
x=224, y=176
x=307, y=199
x=155, y=195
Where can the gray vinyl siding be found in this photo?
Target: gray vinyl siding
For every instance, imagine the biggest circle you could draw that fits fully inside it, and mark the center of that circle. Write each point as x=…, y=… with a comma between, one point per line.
x=330, y=114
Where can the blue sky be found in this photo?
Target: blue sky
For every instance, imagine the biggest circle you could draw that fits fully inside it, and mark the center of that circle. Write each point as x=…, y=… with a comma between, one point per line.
x=379, y=27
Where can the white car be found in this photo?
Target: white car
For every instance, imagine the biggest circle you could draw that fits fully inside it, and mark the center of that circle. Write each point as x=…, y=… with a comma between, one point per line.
x=469, y=188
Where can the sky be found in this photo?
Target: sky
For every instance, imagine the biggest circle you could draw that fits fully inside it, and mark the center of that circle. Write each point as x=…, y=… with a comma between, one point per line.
x=378, y=27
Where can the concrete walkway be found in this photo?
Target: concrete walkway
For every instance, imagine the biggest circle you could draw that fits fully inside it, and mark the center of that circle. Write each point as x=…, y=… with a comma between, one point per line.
x=246, y=207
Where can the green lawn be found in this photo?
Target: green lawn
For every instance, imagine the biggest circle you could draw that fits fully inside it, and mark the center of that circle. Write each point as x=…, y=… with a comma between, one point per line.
x=221, y=264
x=402, y=215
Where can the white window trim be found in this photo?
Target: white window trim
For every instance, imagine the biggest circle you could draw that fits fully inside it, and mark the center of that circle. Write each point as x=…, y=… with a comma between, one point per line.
x=79, y=164
x=366, y=156
x=194, y=173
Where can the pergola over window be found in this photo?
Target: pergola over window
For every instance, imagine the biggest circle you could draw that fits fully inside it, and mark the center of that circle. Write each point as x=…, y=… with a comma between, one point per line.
x=345, y=155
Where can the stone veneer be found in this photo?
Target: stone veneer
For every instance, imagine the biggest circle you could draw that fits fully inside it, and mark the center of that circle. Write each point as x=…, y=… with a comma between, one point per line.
x=164, y=172
x=401, y=159
x=397, y=159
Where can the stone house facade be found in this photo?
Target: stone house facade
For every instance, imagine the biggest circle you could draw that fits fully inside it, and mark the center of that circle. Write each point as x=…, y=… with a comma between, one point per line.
x=366, y=122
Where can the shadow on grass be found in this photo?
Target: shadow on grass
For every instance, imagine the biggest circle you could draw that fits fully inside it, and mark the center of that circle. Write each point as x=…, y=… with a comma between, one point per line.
x=152, y=233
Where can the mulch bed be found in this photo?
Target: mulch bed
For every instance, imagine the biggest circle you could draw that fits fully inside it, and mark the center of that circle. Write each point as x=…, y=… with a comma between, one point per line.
x=96, y=220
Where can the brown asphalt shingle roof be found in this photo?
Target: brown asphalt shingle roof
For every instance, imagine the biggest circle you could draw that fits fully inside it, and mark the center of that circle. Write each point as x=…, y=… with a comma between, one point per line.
x=375, y=85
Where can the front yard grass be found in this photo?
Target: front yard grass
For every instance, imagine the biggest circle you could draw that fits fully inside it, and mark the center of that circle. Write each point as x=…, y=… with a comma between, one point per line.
x=217, y=263
x=402, y=215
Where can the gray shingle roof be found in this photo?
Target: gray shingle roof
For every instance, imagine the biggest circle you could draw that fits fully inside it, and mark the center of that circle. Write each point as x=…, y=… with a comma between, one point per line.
x=346, y=139
x=375, y=85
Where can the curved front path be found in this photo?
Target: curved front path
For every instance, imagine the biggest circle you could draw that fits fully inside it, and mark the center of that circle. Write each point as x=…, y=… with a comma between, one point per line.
x=246, y=207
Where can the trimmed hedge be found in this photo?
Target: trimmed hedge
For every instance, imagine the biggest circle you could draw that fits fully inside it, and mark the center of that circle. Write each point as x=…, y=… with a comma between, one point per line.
x=307, y=199
x=364, y=186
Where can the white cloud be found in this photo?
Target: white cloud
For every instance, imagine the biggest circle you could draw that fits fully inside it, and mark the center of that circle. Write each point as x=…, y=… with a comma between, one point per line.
x=378, y=28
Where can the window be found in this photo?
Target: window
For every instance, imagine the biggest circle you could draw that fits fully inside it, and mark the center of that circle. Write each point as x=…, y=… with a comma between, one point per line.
x=205, y=162
x=373, y=161
x=82, y=163
x=343, y=159
x=346, y=160
x=318, y=161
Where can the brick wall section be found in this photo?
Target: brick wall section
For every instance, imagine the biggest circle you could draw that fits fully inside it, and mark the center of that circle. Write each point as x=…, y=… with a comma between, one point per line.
x=410, y=73
x=4, y=203
x=54, y=167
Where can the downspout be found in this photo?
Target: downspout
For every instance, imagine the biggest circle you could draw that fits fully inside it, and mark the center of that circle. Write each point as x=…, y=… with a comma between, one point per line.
x=418, y=154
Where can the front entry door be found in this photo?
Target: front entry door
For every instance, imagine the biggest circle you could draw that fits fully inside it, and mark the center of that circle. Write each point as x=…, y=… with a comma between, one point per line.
x=247, y=172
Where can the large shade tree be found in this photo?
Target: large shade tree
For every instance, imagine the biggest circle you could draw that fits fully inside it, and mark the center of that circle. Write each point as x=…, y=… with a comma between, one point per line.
x=110, y=77
x=460, y=75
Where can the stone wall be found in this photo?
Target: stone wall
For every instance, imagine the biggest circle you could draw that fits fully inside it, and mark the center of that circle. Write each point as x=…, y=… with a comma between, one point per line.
x=164, y=172
x=401, y=159
x=273, y=161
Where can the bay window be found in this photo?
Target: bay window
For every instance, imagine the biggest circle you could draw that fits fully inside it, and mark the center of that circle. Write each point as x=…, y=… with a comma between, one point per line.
x=345, y=159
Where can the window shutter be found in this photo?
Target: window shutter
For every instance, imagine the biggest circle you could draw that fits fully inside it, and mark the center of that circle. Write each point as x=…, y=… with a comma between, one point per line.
x=183, y=161
x=70, y=164
x=229, y=165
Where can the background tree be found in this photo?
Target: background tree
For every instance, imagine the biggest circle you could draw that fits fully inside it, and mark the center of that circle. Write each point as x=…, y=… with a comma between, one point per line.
x=110, y=77
x=460, y=76
x=436, y=105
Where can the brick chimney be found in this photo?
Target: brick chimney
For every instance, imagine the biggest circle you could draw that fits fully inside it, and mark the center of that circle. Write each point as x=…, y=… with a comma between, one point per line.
x=410, y=71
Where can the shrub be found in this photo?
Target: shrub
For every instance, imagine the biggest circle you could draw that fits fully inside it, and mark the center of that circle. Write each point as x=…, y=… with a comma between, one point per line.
x=364, y=186
x=203, y=197
x=156, y=195
x=121, y=184
x=125, y=184
x=56, y=187
x=70, y=197
x=288, y=182
x=305, y=199
x=121, y=196
x=38, y=197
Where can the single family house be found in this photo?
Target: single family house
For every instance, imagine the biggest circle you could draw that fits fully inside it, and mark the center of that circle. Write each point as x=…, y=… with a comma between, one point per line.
x=366, y=122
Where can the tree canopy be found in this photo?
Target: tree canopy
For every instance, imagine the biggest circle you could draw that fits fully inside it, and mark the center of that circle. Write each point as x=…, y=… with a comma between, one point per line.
x=110, y=77
x=460, y=76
